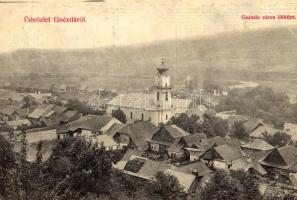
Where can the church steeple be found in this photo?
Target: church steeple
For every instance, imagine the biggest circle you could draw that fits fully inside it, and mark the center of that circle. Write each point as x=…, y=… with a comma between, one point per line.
x=163, y=87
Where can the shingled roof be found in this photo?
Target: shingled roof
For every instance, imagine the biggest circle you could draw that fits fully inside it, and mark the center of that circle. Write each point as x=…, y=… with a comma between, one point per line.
x=89, y=122
x=139, y=132
x=196, y=138
x=258, y=144
x=229, y=153
x=283, y=157
x=113, y=129
x=147, y=169
x=195, y=167
x=175, y=131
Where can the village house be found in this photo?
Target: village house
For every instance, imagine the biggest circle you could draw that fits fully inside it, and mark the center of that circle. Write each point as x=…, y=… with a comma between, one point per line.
x=256, y=128
x=134, y=135
x=147, y=169
x=22, y=113
x=37, y=114
x=17, y=123
x=291, y=129
x=87, y=126
x=33, y=136
x=197, y=149
x=255, y=145
x=166, y=140
x=280, y=163
x=222, y=156
x=105, y=141
x=197, y=168
x=192, y=140
x=68, y=116
x=254, y=166
x=157, y=107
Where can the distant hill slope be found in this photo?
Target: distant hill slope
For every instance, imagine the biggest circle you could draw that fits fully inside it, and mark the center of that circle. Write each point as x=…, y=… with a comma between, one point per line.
x=266, y=50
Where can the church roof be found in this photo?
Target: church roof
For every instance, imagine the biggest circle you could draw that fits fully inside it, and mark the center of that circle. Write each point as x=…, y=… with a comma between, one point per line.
x=144, y=101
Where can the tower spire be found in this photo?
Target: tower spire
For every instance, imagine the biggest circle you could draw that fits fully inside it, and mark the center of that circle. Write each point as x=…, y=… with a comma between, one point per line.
x=162, y=62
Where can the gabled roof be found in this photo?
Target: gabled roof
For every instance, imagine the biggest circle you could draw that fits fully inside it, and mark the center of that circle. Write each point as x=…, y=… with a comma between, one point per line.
x=89, y=122
x=114, y=128
x=131, y=152
x=194, y=138
x=175, y=131
x=57, y=111
x=67, y=116
x=258, y=144
x=257, y=167
x=287, y=154
x=258, y=131
x=251, y=124
x=139, y=132
x=229, y=153
x=41, y=111
x=175, y=147
x=195, y=167
x=148, y=170
x=23, y=112
x=216, y=141
x=185, y=180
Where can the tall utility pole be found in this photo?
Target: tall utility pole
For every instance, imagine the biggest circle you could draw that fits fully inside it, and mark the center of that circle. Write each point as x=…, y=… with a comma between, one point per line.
x=145, y=100
x=200, y=97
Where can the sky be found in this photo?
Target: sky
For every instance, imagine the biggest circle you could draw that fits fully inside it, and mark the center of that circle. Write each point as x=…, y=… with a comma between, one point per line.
x=130, y=22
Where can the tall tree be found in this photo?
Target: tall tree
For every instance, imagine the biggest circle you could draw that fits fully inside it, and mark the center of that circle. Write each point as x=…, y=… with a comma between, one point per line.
x=167, y=186
x=7, y=162
x=238, y=130
x=186, y=123
x=279, y=139
x=214, y=126
x=120, y=115
x=234, y=186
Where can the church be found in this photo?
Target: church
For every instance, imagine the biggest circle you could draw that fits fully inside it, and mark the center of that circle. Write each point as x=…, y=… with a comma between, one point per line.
x=157, y=106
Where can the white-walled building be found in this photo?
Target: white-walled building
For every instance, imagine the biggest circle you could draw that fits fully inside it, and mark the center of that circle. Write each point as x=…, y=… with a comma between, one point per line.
x=157, y=107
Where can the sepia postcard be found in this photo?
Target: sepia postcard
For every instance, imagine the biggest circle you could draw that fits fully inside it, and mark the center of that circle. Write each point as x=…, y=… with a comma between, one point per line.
x=148, y=100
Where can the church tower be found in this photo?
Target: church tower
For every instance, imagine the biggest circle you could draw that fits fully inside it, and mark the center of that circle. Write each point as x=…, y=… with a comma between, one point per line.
x=163, y=88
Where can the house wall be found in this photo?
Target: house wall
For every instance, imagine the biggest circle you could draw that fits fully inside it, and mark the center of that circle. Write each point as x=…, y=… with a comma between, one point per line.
x=174, y=154
x=86, y=133
x=154, y=116
x=41, y=136
x=219, y=164
x=155, y=147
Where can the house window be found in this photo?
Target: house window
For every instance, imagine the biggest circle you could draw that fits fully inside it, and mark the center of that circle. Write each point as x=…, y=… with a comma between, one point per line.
x=150, y=119
x=131, y=115
x=142, y=117
x=158, y=96
x=166, y=96
x=166, y=116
